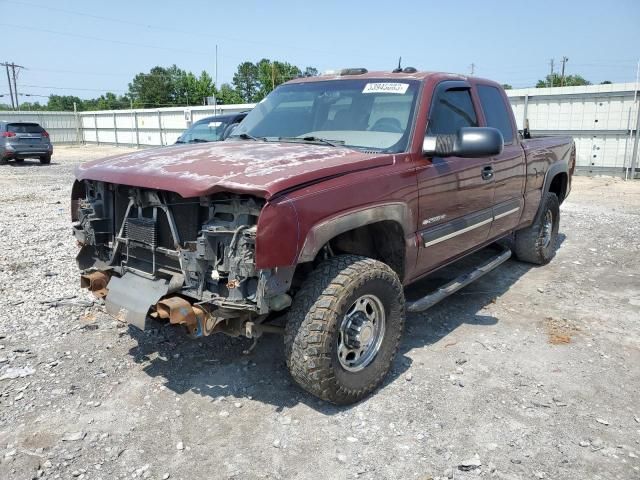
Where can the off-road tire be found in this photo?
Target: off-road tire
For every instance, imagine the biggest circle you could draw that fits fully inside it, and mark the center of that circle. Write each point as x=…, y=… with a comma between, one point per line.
x=45, y=159
x=529, y=245
x=314, y=319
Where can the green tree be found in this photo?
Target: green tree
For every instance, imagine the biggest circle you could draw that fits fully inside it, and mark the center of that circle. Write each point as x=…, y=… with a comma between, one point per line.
x=310, y=72
x=506, y=86
x=28, y=106
x=246, y=82
x=64, y=103
x=555, y=80
x=204, y=87
x=185, y=85
x=108, y=101
x=154, y=89
x=606, y=82
x=256, y=81
x=228, y=96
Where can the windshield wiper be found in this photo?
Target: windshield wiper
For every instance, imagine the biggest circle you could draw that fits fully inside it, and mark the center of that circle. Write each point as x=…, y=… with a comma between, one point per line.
x=198, y=140
x=246, y=136
x=312, y=139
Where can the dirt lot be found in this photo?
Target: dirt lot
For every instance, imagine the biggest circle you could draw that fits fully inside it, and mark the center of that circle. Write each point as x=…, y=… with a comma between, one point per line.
x=529, y=373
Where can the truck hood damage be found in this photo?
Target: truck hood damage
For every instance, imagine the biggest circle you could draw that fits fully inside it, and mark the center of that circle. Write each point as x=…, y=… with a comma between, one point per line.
x=251, y=167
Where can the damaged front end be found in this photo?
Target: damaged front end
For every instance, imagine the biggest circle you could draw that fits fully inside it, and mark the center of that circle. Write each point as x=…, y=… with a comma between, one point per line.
x=188, y=261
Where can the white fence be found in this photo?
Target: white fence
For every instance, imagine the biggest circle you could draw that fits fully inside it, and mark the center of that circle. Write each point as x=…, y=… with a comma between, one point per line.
x=603, y=120
x=63, y=127
x=144, y=127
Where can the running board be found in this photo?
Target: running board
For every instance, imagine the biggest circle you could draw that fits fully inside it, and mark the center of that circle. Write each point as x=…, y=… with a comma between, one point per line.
x=456, y=284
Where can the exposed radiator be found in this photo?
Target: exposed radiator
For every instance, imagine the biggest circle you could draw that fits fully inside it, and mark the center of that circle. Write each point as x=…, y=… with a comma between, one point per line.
x=142, y=230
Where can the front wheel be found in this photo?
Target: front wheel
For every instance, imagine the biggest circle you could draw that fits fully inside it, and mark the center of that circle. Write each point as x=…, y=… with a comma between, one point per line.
x=537, y=243
x=344, y=328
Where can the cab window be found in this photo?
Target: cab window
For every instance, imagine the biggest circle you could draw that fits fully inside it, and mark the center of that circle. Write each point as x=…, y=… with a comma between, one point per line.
x=495, y=111
x=450, y=111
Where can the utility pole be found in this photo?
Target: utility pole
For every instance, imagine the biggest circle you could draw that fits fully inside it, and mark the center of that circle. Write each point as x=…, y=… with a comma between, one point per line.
x=14, y=92
x=216, y=81
x=564, y=61
x=473, y=68
x=15, y=84
x=13, y=105
x=551, y=62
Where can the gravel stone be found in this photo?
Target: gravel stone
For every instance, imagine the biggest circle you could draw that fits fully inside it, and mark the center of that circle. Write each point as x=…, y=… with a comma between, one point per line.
x=122, y=405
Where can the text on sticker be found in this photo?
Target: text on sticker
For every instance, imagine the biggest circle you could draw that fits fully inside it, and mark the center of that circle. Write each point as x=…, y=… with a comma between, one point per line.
x=399, y=88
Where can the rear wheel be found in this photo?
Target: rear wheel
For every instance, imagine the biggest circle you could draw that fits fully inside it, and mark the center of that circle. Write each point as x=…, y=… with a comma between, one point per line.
x=537, y=243
x=344, y=328
x=45, y=159
x=18, y=160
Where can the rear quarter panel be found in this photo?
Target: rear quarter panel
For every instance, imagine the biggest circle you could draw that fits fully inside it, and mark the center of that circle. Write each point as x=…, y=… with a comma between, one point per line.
x=545, y=156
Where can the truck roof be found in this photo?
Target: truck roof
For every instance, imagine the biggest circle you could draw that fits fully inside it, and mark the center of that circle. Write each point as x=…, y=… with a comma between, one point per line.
x=385, y=75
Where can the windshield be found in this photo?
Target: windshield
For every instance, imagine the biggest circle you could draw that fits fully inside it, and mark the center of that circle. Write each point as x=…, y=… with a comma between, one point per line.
x=204, y=131
x=362, y=114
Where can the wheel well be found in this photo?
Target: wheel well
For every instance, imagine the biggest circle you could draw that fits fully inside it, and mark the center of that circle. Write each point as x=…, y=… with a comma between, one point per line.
x=559, y=186
x=382, y=241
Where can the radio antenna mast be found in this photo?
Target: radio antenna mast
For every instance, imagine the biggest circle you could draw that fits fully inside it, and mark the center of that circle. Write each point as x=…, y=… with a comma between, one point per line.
x=399, y=69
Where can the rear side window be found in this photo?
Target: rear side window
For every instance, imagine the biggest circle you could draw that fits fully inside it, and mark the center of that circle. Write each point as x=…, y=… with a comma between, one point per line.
x=24, y=128
x=495, y=111
x=450, y=111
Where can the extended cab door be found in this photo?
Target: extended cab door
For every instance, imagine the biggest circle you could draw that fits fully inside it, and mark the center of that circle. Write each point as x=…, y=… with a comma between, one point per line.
x=509, y=166
x=455, y=194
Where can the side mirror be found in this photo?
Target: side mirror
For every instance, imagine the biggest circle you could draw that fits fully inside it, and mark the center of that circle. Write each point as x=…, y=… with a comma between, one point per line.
x=468, y=142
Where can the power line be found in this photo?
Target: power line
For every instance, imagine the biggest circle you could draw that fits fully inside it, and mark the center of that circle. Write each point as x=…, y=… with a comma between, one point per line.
x=14, y=91
x=108, y=40
x=82, y=72
x=77, y=88
x=182, y=32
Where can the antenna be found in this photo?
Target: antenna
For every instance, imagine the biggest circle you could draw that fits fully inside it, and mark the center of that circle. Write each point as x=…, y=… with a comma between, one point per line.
x=399, y=69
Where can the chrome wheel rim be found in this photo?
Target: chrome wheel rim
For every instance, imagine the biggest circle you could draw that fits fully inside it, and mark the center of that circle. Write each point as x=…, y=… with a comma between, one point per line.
x=547, y=229
x=361, y=333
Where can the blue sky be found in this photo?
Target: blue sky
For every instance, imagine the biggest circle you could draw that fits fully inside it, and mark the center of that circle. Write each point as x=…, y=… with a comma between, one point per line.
x=85, y=48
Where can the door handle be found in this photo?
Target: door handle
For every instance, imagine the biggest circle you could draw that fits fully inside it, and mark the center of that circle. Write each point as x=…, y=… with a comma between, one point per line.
x=487, y=173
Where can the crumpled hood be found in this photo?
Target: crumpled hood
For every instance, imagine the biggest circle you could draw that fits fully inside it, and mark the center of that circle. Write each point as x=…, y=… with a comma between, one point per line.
x=252, y=167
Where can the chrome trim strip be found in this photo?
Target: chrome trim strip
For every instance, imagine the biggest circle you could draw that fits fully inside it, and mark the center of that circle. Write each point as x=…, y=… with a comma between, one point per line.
x=508, y=212
x=458, y=232
x=470, y=227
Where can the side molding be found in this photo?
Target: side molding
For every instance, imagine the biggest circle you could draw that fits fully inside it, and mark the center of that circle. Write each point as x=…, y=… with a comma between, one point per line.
x=322, y=232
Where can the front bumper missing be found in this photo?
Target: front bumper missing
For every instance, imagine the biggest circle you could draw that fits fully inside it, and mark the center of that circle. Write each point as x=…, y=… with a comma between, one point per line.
x=131, y=296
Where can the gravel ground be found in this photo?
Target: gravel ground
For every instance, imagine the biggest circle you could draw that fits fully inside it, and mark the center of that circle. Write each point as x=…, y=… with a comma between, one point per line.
x=528, y=373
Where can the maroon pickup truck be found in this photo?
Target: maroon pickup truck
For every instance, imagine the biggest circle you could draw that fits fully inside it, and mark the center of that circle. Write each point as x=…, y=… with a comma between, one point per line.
x=332, y=195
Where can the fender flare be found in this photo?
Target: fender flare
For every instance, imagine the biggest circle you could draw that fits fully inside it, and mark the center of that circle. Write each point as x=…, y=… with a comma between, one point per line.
x=558, y=167
x=329, y=228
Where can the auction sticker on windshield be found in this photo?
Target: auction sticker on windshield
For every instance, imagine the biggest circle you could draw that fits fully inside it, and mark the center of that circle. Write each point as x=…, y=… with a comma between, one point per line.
x=399, y=88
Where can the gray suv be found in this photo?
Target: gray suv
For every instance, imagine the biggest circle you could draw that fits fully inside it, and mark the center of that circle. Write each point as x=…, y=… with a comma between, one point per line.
x=20, y=140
